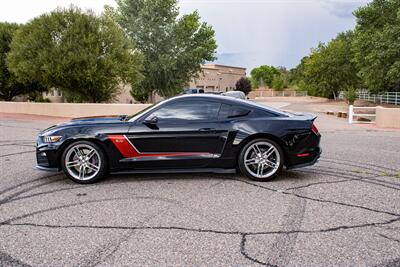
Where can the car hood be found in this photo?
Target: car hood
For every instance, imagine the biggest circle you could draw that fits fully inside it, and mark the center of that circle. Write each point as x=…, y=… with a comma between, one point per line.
x=86, y=121
x=101, y=119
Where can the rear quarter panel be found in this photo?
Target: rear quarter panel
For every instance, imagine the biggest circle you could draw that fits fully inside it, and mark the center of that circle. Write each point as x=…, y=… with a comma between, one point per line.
x=293, y=135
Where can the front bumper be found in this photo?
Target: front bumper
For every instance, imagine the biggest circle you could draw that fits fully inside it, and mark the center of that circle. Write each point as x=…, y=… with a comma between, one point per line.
x=47, y=156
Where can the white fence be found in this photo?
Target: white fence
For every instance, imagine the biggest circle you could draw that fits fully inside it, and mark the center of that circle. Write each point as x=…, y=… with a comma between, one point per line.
x=368, y=117
x=300, y=93
x=387, y=97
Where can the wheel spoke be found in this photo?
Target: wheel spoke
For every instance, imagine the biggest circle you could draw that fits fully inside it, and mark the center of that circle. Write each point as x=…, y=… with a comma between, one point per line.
x=90, y=154
x=251, y=161
x=269, y=152
x=78, y=152
x=81, y=172
x=257, y=149
x=260, y=169
x=271, y=164
x=92, y=167
x=71, y=164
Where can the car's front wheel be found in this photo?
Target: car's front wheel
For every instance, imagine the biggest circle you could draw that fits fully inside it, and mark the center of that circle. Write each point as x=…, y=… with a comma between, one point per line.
x=83, y=162
x=261, y=160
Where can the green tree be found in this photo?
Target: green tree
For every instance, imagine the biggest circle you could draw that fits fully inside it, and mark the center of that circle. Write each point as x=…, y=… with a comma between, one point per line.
x=329, y=69
x=244, y=85
x=376, y=45
x=281, y=80
x=9, y=86
x=84, y=55
x=296, y=76
x=263, y=76
x=174, y=47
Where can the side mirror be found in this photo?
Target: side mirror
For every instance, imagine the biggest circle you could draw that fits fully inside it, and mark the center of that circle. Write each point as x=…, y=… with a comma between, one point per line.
x=151, y=121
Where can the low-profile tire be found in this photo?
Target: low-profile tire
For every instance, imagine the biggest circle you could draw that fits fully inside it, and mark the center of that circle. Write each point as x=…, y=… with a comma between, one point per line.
x=261, y=160
x=84, y=162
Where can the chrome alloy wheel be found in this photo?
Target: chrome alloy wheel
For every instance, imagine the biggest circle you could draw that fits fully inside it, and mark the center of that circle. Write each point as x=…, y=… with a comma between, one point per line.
x=82, y=162
x=262, y=159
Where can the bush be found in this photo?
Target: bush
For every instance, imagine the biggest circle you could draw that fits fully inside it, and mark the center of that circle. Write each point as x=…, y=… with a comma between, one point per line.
x=244, y=85
x=350, y=95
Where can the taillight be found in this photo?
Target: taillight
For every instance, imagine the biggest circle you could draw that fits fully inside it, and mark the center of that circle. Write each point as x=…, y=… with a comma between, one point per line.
x=314, y=129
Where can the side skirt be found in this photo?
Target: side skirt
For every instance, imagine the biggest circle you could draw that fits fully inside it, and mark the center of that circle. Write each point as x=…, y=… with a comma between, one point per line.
x=204, y=170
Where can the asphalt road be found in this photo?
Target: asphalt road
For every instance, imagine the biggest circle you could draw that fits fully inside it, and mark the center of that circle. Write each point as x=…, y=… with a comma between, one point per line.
x=344, y=211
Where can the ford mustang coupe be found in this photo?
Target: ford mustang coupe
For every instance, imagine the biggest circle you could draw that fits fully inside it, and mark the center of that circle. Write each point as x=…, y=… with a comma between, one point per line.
x=189, y=133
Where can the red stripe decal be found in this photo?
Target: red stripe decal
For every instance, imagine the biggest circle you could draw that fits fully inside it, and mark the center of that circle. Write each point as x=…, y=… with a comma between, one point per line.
x=129, y=151
x=124, y=146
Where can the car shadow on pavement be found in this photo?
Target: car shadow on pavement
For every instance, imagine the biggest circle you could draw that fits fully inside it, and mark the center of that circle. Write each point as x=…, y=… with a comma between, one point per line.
x=286, y=176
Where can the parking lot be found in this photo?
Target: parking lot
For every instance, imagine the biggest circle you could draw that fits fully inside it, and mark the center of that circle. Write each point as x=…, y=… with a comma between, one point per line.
x=344, y=211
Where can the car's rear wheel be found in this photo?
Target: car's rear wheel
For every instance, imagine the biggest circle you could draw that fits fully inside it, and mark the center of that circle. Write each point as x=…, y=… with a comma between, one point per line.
x=261, y=160
x=84, y=162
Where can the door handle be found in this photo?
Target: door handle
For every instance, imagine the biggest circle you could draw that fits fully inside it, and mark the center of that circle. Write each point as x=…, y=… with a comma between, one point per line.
x=207, y=130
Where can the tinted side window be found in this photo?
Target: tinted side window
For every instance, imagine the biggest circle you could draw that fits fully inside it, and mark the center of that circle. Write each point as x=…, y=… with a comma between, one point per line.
x=228, y=111
x=238, y=112
x=224, y=111
x=188, y=111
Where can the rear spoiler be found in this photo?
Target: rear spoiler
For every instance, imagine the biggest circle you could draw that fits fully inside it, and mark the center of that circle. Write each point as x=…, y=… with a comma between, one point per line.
x=313, y=117
x=303, y=115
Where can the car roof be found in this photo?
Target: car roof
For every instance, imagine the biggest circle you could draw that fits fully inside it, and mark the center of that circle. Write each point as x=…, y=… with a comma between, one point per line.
x=228, y=100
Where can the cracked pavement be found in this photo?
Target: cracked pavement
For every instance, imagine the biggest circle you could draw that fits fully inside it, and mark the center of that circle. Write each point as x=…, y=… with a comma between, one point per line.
x=343, y=211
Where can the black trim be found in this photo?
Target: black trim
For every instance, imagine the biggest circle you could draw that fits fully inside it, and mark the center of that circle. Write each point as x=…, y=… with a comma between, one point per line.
x=204, y=156
x=203, y=170
x=41, y=168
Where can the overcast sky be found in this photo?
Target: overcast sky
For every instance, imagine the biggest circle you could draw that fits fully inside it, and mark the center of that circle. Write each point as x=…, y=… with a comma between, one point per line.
x=249, y=32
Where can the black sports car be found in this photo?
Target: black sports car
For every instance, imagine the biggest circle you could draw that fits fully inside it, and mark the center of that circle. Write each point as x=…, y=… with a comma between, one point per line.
x=190, y=133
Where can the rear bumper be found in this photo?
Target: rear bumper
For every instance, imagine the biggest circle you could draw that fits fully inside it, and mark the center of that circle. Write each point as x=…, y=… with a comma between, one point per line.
x=313, y=160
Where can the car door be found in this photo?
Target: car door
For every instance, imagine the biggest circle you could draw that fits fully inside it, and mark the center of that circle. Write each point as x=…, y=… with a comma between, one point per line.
x=180, y=134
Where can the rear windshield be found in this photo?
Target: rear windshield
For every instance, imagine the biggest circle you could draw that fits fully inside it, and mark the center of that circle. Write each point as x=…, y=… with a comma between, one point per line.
x=265, y=107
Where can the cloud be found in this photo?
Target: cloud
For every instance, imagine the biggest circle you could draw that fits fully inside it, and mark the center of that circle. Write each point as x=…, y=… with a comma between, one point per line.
x=233, y=59
x=343, y=9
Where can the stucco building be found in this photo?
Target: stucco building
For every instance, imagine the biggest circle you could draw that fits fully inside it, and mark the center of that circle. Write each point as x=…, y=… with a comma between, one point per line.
x=217, y=78
x=212, y=78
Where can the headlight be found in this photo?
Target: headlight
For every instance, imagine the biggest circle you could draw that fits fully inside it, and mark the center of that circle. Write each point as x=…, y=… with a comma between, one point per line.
x=51, y=138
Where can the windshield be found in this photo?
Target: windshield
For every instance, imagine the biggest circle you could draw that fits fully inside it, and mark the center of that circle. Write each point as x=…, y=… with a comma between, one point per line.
x=138, y=114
